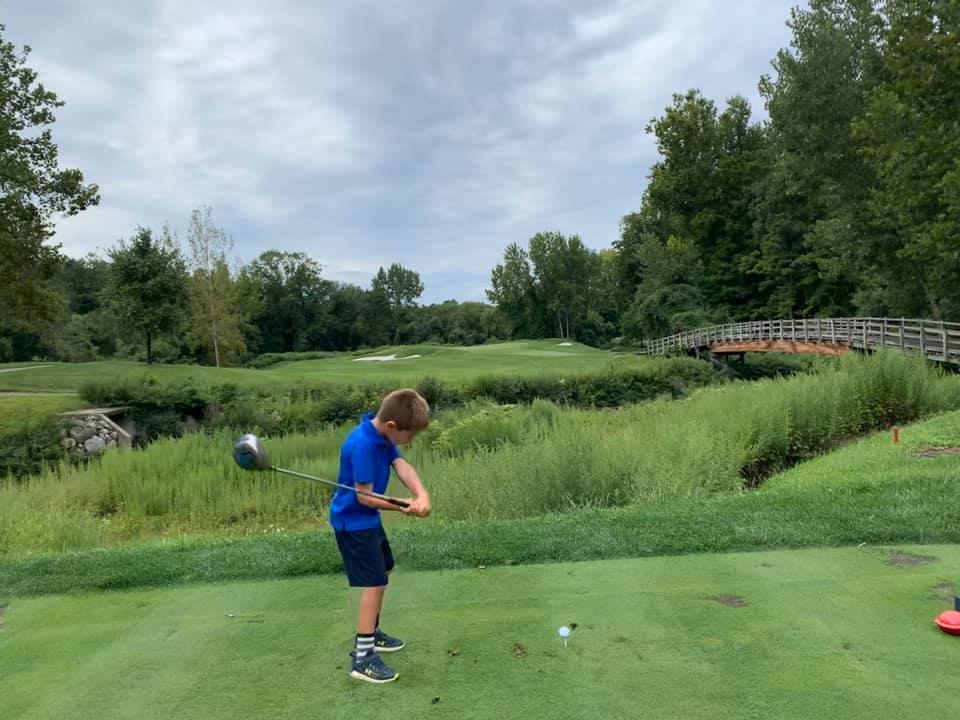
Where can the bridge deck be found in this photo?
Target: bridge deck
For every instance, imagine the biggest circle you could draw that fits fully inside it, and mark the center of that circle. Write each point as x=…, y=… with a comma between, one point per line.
x=937, y=340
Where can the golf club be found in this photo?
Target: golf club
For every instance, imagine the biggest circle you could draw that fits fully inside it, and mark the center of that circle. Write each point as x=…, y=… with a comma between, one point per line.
x=250, y=454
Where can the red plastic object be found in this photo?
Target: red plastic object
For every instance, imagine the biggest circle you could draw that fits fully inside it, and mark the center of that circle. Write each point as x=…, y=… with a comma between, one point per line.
x=949, y=622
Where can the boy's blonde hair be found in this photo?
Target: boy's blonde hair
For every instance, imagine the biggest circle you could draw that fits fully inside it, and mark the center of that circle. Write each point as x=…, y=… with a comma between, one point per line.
x=407, y=408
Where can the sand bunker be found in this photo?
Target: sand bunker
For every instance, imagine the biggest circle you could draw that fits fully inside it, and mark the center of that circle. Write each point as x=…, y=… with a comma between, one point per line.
x=384, y=358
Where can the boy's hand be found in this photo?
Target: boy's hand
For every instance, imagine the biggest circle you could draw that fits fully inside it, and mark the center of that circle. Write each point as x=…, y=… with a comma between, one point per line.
x=408, y=476
x=419, y=507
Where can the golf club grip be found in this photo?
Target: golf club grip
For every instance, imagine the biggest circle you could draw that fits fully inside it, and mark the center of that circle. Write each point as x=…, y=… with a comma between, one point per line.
x=394, y=501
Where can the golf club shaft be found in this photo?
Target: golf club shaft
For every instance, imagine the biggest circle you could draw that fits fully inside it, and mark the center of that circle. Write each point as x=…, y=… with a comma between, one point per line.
x=392, y=501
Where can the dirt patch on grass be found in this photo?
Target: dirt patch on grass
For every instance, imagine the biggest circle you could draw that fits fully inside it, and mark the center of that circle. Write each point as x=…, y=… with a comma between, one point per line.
x=519, y=650
x=853, y=650
x=728, y=600
x=945, y=590
x=903, y=559
x=938, y=452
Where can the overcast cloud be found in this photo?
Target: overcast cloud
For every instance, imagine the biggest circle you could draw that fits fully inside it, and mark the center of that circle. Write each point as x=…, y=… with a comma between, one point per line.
x=362, y=133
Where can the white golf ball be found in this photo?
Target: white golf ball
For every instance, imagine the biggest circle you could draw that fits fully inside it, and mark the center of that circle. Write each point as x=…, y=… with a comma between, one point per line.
x=564, y=632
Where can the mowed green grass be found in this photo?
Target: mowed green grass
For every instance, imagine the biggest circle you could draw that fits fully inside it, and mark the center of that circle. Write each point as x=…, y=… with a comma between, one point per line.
x=14, y=409
x=449, y=363
x=818, y=633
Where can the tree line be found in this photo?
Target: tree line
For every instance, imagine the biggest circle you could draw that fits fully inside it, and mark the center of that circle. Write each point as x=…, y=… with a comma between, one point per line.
x=151, y=300
x=844, y=200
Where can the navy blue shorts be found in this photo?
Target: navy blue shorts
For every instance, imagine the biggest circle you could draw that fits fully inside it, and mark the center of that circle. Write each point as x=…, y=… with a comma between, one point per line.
x=366, y=556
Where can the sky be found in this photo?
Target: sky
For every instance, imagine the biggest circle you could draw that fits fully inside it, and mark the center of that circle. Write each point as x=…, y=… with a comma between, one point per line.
x=430, y=133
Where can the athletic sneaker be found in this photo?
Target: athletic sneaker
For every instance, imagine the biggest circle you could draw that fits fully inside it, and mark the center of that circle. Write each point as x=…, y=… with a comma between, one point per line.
x=384, y=643
x=371, y=668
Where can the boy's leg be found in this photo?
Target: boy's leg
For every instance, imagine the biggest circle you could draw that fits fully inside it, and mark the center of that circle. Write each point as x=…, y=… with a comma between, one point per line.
x=366, y=665
x=364, y=563
x=371, y=601
x=385, y=643
x=380, y=609
x=388, y=565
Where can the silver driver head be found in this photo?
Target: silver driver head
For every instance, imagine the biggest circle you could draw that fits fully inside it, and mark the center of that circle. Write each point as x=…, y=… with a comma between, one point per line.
x=250, y=454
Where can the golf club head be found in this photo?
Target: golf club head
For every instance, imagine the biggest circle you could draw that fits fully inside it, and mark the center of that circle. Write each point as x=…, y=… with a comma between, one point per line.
x=250, y=454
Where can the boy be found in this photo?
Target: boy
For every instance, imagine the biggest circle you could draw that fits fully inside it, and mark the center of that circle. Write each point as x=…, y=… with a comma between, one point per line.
x=365, y=461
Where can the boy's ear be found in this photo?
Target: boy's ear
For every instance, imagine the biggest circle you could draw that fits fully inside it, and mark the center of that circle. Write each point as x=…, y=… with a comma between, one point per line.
x=392, y=424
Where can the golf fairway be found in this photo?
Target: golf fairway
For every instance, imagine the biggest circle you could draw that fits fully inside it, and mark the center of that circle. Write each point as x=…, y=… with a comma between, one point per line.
x=838, y=633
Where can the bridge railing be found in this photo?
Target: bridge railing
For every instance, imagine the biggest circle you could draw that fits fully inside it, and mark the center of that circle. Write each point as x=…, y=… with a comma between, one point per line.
x=937, y=340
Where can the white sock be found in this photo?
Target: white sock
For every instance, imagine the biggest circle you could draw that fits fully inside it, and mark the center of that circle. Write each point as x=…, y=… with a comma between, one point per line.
x=364, y=645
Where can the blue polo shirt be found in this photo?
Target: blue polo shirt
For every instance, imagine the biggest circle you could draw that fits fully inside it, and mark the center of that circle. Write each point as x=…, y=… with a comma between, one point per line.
x=365, y=457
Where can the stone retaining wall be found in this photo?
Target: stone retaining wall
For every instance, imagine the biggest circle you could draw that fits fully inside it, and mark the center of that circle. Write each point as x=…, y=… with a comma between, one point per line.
x=92, y=432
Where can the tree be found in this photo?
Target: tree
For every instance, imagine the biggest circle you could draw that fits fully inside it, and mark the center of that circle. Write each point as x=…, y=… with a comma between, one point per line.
x=512, y=291
x=550, y=287
x=376, y=324
x=811, y=211
x=911, y=142
x=77, y=340
x=217, y=324
x=294, y=301
x=149, y=290
x=347, y=304
x=82, y=281
x=701, y=190
x=248, y=301
x=629, y=268
x=469, y=323
x=664, y=311
x=564, y=270
x=669, y=299
x=603, y=316
x=33, y=190
x=402, y=288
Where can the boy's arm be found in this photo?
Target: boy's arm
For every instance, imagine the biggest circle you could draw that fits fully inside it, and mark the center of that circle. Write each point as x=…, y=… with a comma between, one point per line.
x=408, y=476
x=364, y=466
x=376, y=502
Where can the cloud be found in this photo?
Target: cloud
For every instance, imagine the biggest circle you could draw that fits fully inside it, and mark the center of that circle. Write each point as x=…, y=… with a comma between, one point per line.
x=364, y=132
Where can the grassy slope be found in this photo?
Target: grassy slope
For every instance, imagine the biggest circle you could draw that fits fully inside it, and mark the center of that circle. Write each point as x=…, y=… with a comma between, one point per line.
x=876, y=460
x=448, y=363
x=826, y=633
x=14, y=408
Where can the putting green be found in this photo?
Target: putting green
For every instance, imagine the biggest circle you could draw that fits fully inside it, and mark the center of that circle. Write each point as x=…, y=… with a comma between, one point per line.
x=839, y=633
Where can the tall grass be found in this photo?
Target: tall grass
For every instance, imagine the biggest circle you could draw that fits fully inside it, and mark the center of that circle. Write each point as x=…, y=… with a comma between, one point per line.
x=173, y=487
x=483, y=461
x=30, y=433
x=720, y=439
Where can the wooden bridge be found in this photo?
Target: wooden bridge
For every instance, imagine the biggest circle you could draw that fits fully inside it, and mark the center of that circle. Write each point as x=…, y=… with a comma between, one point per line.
x=938, y=341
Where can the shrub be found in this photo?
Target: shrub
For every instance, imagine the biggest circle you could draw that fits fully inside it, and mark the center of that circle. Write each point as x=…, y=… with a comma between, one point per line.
x=31, y=447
